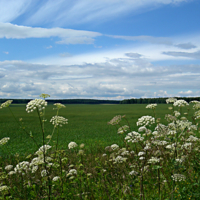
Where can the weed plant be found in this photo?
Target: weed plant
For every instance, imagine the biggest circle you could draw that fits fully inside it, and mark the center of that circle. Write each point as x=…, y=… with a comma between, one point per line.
x=154, y=161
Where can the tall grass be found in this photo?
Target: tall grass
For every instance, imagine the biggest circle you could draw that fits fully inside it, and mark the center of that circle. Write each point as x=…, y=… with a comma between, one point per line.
x=154, y=157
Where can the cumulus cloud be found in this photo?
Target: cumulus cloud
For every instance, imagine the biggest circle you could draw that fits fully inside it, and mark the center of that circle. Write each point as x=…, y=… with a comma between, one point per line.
x=113, y=79
x=68, y=36
x=188, y=45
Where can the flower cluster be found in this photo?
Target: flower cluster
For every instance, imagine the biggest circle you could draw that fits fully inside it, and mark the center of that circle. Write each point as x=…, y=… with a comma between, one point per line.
x=134, y=137
x=145, y=121
x=178, y=177
x=151, y=106
x=153, y=160
x=181, y=103
x=4, y=140
x=22, y=167
x=115, y=120
x=171, y=100
x=72, y=145
x=6, y=104
x=58, y=121
x=114, y=147
x=59, y=106
x=123, y=129
x=36, y=104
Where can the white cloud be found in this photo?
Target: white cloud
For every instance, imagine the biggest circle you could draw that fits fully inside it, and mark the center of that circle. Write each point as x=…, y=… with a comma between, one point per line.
x=68, y=36
x=62, y=12
x=6, y=52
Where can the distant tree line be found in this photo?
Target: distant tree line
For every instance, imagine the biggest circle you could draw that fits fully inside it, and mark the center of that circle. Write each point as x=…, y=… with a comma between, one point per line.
x=155, y=100
x=96, y=101
x=65, y=101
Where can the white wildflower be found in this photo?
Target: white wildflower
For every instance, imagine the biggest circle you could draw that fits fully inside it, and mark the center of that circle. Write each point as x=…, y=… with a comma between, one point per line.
x=176, y=113
x=72, y=172
x=181, y=103
x=134, y=137
x=59, y=105
x=153, y=160
x=171, y=100
x=4, y=188
x=6, y=104
x=192, y=139
x=11, y=173
x=120, y=159
x=114, y=147
x=151, y=106
x=133, y=173
x=145, y=121
x=178, y=177
x=8, y=167
x=22, y=166
x=36, y=104
x=4, y=140
x=123, y=129
x=115, y=120
x=142, y=158
x=142, y=129
x=141, y=153
x=34, y=169
x=72, y=145
x=56, y=178
x=44, y=173
x=58, y=121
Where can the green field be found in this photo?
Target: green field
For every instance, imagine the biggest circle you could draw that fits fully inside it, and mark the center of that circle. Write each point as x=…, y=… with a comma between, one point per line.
x=86, y=124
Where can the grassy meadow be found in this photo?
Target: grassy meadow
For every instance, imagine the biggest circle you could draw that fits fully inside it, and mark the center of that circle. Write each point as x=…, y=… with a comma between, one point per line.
x=86, y=124
x=148, y=154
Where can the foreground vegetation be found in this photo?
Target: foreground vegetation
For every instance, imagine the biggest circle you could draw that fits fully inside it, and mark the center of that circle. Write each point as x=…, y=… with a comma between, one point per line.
x=157, y=158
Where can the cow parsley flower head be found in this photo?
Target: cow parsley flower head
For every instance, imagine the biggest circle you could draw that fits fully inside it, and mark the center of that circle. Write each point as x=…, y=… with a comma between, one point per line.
x=72, y=145
x=115, y=120
x=4, y=188
x=56, y=178
x=36, y=104
x=44, y=96
x=43, y=149
x=181, y=103
x=58, y=121
x=22, y=166
x=6, y=104
x=114, y=147
x=123, y=129
x=145, y=121
x=178, y=177
x=151, y=106
x=134, y=137
x=44, y=173
x=59, y=106
x=171, y=100
x=8, y=167
x=72, y=172
x=153, y=160
x=120, y=159
x=4, y=140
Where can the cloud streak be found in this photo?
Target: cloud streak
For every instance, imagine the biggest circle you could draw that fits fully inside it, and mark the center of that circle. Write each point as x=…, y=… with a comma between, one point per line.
x=68, y=36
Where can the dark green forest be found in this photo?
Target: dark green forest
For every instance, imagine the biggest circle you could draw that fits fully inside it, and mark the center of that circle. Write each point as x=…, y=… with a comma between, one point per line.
x=96, y=101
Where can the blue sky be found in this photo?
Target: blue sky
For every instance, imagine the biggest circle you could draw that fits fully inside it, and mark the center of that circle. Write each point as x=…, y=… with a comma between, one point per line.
x=114, y=49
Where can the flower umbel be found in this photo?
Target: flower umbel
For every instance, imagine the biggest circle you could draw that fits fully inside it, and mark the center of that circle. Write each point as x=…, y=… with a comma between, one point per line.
x=58, y=121
x=36, y=104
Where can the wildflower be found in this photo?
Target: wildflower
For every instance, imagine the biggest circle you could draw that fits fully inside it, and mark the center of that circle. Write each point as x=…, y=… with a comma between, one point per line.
x=141, y=153
x=133, y=173
x=34, y=169
x=197, y=114
x=43, y=149
x=4, y=188
x=80, y=152
x=82, y=146
x=56, y=178
x=123, y=129
x=192, y=139
x=120, y=159
x=153, y=160
x=8, y=167
x=58, y=120
x=142, y=158
x=72, y=145
x=171, y=100
x=125, y=153
x=11, y=173
x=178, y=177
x=115, y=120
x=6, y=104
x=103, y=155
x=4, y=140
x=181, y=103
x=114, y=147
x=36, y=104
x=142, y=129
x=176, y=113
x=44, y=173
x=59, y=106
x=134, y=137
x=151, y=106
x=22, y=166
x=72, y=172
x=44, y=95
x=145, y=121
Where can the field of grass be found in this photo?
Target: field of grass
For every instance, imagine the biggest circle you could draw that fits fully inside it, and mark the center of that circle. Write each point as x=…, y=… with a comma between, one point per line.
x=161, y=161
x=86, y=124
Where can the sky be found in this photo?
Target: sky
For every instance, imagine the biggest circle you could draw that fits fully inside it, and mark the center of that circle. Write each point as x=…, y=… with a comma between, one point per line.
x=105, y=49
